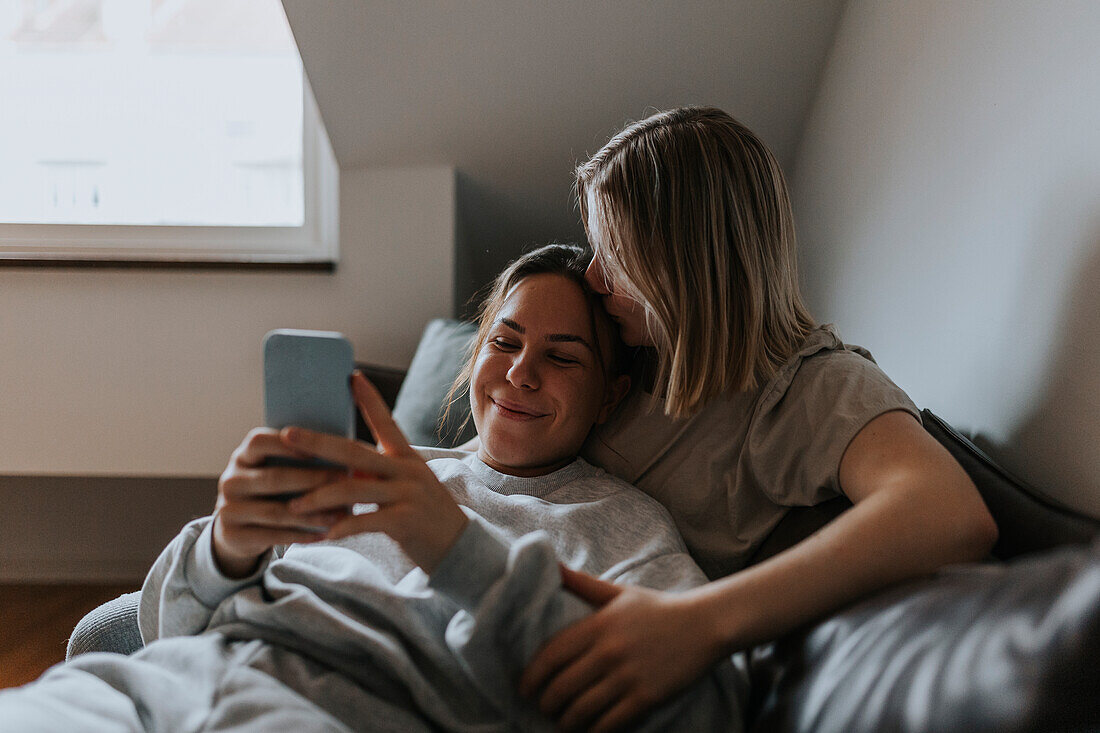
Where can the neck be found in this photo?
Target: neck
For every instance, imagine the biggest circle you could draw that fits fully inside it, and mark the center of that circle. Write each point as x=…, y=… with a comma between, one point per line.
x=523, y=471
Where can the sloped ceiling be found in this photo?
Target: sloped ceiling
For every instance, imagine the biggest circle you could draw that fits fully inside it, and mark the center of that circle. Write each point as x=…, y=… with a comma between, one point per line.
x=515, y=92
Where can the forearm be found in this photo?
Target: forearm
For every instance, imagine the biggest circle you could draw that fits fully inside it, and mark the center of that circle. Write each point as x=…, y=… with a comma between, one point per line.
x=889, y=537
x=185, y=585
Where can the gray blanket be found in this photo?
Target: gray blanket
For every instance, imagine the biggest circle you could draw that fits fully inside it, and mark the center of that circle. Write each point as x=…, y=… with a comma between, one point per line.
x=348, y=635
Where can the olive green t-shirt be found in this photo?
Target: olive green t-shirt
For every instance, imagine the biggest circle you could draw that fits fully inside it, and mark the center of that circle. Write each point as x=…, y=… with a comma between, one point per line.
x=729, y=473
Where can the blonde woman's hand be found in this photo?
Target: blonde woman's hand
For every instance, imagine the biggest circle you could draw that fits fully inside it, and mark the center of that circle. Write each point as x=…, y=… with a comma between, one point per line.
x=251, y=515
x=414, y=508
x=637, y=650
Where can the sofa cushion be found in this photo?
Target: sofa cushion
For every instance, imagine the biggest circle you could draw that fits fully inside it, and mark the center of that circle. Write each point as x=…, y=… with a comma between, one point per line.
x=443, y=349
x=1005, y=647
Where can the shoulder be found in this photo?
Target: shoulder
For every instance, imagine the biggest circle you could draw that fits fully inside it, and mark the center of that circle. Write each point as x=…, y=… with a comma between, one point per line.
x=618, y=499
x=597, y=484
x=827, y=376
x=808, y=414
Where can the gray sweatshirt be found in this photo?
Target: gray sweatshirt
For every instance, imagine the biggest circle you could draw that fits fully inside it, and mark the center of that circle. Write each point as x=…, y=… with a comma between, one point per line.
x=449, y=647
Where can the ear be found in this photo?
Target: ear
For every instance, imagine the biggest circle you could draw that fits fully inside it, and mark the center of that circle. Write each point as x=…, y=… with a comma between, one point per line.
x=614, y=394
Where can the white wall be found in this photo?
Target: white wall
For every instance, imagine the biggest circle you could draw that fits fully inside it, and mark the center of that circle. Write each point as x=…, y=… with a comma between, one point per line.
x=108, y=374
x=514, y=94
x=157, y=372
x=948, y=194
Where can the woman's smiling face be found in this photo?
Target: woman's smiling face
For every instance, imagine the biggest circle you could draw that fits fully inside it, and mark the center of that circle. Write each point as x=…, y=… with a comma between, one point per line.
x=538, y=385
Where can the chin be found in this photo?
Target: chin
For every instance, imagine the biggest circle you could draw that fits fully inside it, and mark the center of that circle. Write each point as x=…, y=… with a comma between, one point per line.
x=516, y=457
x=506, y=452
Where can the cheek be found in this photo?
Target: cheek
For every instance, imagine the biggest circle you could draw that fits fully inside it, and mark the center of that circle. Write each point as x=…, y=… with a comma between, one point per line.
x=585, y=398
x=480, y=378
x=617, y=285
x=628, y=312
x=625, y=305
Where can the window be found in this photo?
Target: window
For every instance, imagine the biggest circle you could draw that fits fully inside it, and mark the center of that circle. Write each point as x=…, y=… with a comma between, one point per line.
x=160, y=131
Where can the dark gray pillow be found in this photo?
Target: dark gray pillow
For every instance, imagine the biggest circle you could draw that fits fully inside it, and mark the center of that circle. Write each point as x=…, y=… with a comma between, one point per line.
x=1027, y=519
x=443, y=349
x=980, y=647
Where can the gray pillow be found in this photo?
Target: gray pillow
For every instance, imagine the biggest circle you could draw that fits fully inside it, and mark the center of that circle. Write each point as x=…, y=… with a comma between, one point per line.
x=443, y=349
x=976, y=647
x=1027, y=519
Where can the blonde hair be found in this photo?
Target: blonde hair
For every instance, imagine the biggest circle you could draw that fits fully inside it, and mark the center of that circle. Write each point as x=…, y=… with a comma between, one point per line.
x=700, y=229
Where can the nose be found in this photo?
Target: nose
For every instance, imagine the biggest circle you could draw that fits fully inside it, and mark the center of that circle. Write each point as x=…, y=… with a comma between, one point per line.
x=522, y=374
x=596, y=277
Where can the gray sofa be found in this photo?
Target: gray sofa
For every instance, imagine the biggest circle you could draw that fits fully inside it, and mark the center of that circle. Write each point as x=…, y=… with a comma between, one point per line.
x=1011, y=644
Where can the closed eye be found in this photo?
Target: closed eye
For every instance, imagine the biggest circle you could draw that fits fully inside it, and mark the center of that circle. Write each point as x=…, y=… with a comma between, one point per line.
x=563, y=359
x=504, y=344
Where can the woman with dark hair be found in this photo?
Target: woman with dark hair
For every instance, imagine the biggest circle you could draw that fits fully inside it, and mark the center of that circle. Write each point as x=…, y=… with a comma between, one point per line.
x=407, y=592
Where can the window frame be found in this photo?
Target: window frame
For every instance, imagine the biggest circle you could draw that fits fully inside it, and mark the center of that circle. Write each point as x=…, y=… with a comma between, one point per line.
x=314, y=245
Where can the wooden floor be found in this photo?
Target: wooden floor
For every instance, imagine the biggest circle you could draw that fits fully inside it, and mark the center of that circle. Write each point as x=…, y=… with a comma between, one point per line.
x=36, y=621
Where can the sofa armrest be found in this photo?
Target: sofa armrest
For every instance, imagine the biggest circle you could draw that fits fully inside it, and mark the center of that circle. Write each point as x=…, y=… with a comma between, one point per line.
x=388, y=381
x=111, y=627
x=994, y=646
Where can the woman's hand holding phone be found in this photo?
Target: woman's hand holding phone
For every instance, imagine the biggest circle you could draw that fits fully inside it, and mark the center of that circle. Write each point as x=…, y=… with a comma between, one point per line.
x=253, y=515
x=414, y=508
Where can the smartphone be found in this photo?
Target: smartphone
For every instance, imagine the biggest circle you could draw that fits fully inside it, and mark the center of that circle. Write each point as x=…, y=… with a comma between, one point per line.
x=307, y=382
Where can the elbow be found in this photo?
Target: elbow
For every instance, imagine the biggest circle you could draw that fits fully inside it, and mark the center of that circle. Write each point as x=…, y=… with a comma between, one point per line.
x=988, y=533
x=980, y=532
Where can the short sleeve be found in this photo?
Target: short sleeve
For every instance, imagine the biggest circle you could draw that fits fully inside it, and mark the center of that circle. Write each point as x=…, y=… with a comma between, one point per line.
x=808, y=416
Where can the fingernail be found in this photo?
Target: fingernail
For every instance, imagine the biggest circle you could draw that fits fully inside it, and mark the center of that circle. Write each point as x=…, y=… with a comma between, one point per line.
x=292, y=434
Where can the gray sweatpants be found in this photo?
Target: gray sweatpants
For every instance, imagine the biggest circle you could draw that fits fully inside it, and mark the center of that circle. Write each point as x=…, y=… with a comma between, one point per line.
x=205, y=683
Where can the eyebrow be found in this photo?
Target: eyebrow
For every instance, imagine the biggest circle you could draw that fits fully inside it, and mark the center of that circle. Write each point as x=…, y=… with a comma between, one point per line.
x=557, y=337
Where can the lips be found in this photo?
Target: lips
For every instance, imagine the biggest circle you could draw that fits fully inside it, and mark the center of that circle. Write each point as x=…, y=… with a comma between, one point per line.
x=515, y=410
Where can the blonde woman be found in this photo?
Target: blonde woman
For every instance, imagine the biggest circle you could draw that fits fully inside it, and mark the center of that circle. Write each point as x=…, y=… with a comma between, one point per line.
x=743, y=407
